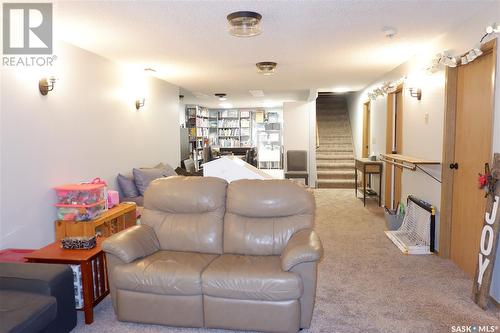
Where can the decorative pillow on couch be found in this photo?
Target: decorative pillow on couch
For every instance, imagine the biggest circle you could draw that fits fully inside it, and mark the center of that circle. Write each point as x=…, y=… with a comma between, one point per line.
x=143, y=177
x=127, y=185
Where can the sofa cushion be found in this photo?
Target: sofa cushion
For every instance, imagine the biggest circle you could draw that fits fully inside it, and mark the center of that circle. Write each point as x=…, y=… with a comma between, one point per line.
x=186, y=213
x=164, y=272
x=144, y=176
x=250, y=278
x=127, y=185
x=25, y=312
x=262, y=215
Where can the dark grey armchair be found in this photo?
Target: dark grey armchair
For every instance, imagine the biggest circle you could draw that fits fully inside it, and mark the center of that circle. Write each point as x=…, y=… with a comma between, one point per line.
x=296, y=165
x=36, y=298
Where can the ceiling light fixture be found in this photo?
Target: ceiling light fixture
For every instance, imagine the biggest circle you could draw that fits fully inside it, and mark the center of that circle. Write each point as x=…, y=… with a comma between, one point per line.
x=266, y=67
x=244, y=24
x=221, y=96
x=389, y=32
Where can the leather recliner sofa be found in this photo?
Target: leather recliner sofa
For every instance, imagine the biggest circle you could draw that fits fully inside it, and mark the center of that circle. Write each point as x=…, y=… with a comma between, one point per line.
x=207, y=254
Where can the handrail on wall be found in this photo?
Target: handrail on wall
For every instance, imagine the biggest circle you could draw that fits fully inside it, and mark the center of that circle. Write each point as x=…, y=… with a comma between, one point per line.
x=411, y=163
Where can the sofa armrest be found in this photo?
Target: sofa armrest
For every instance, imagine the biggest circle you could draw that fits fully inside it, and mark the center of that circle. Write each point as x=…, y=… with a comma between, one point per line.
x=303, y=246
x=46, y=279
x=132, y=243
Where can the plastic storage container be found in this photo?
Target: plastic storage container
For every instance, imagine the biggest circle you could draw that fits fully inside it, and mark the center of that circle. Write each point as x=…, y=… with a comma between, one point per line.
x=80, y=212
x=80, y=194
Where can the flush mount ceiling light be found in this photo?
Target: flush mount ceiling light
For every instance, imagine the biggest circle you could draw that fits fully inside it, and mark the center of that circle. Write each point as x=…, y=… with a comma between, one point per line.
x=266, y=67
x=389, y=32
x=244, y=24
x=221, y=96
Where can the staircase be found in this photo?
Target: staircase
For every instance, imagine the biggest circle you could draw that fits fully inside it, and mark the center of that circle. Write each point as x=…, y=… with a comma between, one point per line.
x=335, y=154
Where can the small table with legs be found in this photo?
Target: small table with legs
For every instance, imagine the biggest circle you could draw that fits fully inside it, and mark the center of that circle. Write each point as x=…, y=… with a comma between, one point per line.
x=368, y=167
x=93, y=267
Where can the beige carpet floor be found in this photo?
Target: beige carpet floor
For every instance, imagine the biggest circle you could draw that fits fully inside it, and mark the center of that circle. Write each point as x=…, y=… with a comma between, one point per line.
x=365, y=284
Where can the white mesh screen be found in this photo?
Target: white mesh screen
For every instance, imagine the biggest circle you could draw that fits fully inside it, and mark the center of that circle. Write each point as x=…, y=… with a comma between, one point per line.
x=413, y=237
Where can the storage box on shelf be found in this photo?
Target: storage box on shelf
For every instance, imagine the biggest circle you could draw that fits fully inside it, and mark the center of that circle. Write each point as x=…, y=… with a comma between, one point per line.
x=80, y=202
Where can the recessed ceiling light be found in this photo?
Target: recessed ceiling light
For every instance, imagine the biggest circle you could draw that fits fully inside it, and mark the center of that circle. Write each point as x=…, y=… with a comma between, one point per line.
x=221, y=96
x=256, y=93
x=200, y=95
x=244, y=23
x=266, y=67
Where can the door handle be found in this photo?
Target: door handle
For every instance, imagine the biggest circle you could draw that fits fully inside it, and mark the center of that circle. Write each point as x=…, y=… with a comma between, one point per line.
x=454, y=166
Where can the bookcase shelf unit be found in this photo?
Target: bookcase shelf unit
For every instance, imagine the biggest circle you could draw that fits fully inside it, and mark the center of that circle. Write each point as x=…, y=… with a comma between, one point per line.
x=235, y=128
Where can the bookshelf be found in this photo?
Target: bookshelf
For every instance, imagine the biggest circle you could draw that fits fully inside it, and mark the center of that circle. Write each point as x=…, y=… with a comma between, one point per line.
x=235, y=128
x=198, y=124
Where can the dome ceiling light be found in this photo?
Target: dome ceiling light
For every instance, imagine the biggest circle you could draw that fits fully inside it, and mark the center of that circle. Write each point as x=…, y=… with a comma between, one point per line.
x=266, y=67
x=221, y=96
x=244, y=24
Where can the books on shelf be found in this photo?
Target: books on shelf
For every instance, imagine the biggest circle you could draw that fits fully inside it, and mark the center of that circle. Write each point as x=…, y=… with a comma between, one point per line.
x=200, y=131
x=228, y=123
x=245, y=122
x=202, y=122
x=202, y=112
x=229, y=132
x=228, y=114
x=245, y=114
x=229, y=142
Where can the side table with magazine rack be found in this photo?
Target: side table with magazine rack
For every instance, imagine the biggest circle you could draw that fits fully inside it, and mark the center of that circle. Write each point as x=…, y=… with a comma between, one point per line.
x=89, y=270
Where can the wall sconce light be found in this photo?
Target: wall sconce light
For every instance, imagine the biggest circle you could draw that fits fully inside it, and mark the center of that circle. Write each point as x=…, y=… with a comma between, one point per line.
x=46, y=84
x=139, y=103
x=416, y=92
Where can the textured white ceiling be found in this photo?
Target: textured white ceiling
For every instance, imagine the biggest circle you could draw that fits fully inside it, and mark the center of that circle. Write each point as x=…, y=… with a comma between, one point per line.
x=317, y=44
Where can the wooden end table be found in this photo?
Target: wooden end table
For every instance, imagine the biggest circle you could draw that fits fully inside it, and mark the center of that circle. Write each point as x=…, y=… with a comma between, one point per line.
x=368, y=167
x=93, y=266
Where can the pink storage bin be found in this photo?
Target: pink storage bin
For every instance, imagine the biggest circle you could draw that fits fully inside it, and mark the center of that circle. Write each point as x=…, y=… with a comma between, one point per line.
x=80, y=212
x=80, y=194
x=113, y=198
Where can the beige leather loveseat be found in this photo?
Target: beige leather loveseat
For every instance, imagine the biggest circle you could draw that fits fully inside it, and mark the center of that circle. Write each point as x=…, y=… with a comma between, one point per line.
x=208, y=254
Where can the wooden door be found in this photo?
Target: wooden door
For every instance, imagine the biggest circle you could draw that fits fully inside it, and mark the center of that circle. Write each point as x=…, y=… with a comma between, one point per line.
x=473, y=141
x=394, y=145
x=366, y=129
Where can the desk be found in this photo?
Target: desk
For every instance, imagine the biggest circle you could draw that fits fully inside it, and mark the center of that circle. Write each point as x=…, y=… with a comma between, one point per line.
x=93, y=267
x=367, y=167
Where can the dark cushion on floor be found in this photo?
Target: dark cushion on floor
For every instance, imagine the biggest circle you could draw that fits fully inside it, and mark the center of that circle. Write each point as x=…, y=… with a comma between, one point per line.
x=22, y=312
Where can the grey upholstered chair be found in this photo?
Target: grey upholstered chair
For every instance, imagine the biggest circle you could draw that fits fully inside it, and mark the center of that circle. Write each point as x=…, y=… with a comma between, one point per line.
x=296, y=165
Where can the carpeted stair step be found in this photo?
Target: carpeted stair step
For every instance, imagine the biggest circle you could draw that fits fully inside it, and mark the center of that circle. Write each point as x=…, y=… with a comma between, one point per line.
x=322, y=164
x=335, y=183
x=336, y=157
x=335, y=174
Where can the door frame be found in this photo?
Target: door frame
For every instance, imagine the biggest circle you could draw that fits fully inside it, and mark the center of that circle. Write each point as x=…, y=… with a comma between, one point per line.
x=392, y=130
x=365, y=151
x=450, y=109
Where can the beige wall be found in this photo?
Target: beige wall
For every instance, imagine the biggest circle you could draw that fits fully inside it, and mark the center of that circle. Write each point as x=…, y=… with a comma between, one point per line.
x=420, y=138
x=87, y=127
